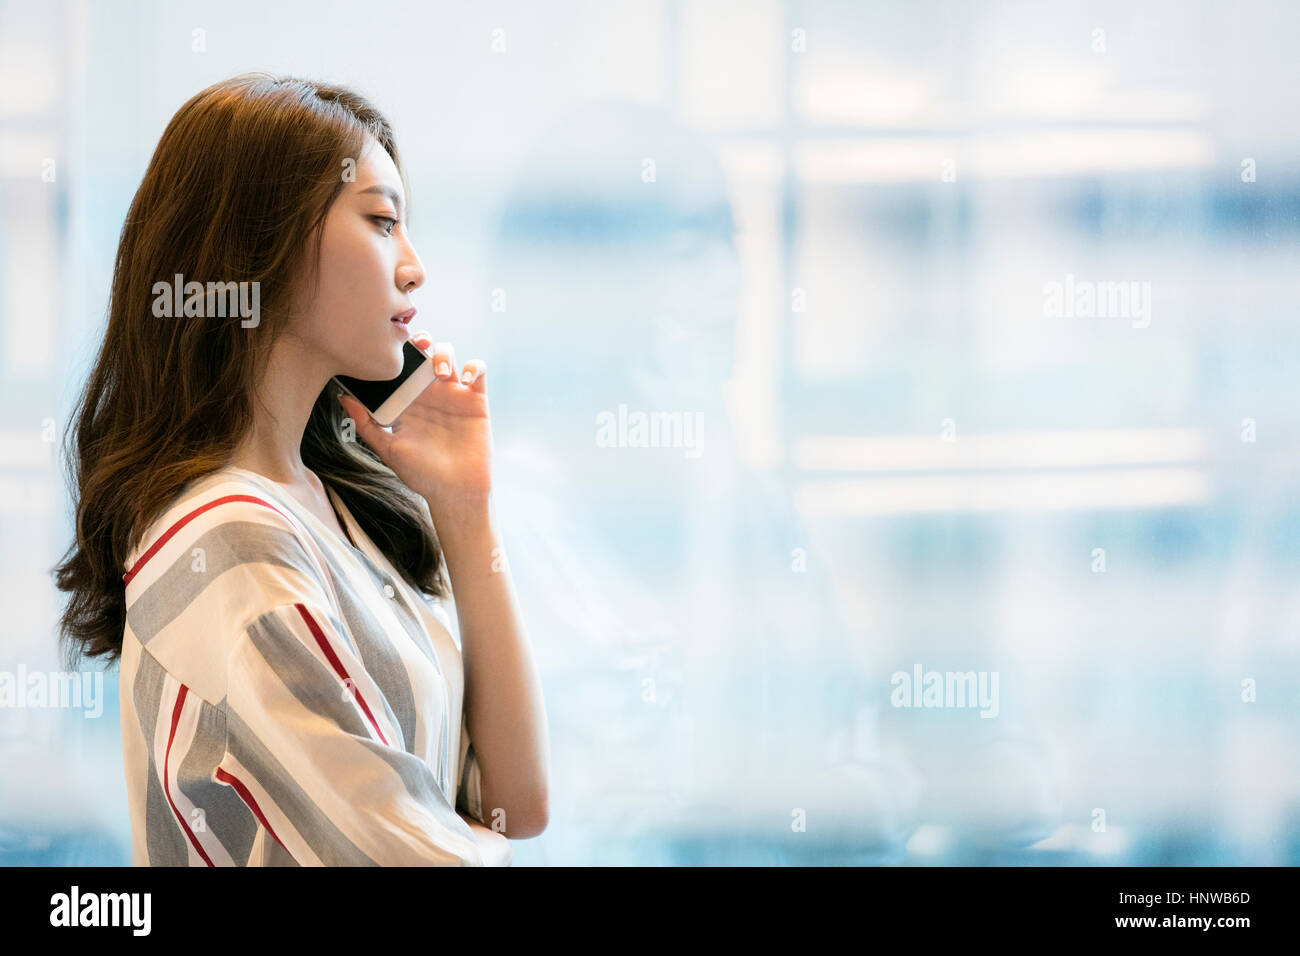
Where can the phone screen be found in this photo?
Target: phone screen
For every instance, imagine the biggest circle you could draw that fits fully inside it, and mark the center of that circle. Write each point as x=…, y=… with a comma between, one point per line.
x=374, y=394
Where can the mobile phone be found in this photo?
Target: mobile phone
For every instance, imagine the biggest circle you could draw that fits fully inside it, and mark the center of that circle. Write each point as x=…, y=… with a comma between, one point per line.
x=386, y=400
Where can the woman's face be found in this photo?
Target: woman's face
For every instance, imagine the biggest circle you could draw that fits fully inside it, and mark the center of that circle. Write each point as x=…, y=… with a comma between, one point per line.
x=368, y=270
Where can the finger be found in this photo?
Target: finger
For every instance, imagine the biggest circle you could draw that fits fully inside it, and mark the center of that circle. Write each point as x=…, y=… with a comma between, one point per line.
x=444, y=361
x=472, y=373
x=368, y=430
x=422, y=340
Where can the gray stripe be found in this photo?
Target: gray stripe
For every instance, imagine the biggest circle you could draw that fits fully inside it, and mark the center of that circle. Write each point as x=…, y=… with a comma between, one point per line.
x=225, y=546
x=224, y=813
x=414, y=625
x=381, y=660
x=310, y=679
x=316, y=686
x=324, y=838
x=165, y=844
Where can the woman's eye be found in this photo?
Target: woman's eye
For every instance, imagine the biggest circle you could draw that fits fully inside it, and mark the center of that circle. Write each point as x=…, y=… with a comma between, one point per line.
x=389, y=230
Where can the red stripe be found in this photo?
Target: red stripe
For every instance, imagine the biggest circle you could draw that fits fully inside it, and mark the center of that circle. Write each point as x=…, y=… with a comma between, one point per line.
x=176, y=717
x=157, y=545
x=338, y=666
x=226, y=777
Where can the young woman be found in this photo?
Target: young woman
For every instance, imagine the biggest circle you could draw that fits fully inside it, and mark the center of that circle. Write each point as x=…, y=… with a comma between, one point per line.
x=266, y=563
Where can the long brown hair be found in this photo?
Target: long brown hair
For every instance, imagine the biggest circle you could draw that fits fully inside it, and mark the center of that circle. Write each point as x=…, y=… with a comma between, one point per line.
x=237, y=191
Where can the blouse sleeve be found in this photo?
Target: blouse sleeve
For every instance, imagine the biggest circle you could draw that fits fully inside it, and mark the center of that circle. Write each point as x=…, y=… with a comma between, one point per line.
x=469, y=789
x=310, y=750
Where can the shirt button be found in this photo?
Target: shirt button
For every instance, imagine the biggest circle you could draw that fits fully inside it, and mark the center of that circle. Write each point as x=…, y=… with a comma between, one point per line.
x=388, y=589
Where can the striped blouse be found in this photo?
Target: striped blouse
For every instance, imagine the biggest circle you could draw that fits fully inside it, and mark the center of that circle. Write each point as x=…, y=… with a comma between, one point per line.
x=287, y=699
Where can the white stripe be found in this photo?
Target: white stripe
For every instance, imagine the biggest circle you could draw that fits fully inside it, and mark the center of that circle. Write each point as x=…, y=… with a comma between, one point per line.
x=135, y=753
x=281, y=824
x=171, y=689
x=192, y=645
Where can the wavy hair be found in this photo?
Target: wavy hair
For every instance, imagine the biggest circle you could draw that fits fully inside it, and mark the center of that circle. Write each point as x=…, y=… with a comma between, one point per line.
x=237, y=190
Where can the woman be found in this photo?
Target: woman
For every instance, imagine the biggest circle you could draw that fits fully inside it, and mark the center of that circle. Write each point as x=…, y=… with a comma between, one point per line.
x=291, y=692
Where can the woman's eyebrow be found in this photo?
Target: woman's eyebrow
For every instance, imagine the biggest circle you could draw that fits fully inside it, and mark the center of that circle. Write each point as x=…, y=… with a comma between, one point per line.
x=387, y=191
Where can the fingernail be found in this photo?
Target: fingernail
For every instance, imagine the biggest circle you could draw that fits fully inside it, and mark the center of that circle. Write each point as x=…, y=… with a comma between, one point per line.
x=466, y=375
x=442, y=368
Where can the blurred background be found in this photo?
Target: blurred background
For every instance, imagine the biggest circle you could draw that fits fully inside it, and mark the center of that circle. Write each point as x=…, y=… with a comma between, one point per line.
x=825, y=245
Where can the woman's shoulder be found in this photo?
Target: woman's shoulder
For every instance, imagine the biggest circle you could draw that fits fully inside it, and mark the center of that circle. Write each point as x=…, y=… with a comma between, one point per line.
x=216, y=497
x=222, y=520
x=222, y=554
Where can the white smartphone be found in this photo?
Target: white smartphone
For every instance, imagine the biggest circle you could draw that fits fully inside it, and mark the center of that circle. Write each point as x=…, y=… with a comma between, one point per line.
x=387, y=400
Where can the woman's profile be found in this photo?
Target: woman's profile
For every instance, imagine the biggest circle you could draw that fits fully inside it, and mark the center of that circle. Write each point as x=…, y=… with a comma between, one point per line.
x=267, y=565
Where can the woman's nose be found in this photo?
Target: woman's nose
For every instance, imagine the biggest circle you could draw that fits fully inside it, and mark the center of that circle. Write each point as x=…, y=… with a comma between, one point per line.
x=410, y=274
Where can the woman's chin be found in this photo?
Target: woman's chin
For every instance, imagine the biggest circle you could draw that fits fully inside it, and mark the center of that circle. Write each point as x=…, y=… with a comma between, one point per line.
x=381, y=370
x=399, y=361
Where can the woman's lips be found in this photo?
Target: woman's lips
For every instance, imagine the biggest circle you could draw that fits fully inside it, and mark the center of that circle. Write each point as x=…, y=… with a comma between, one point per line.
x=404, y=317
